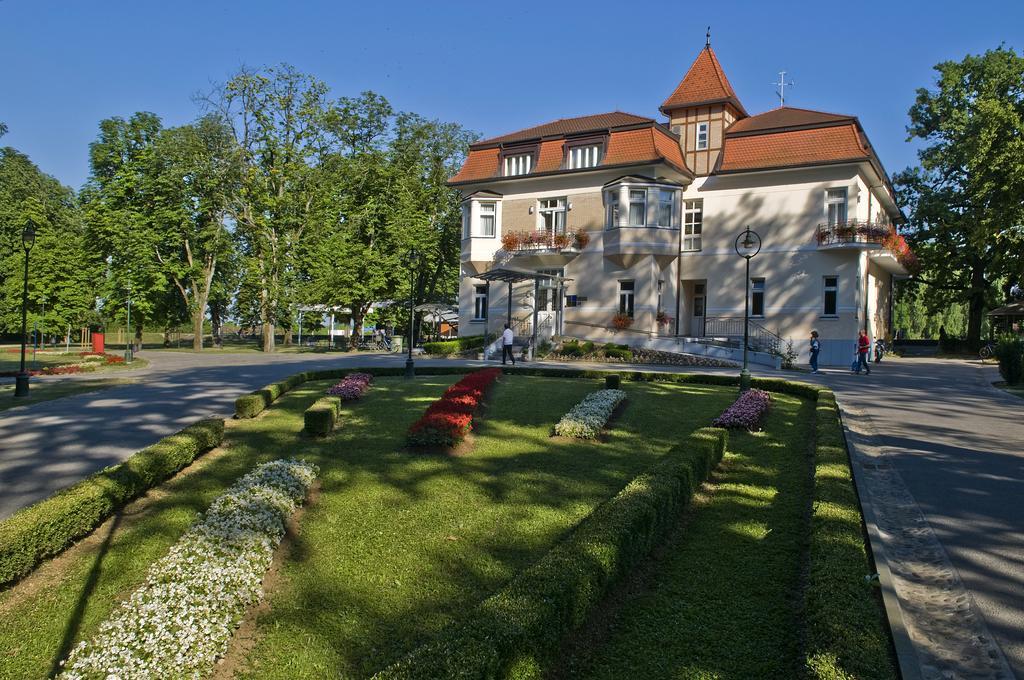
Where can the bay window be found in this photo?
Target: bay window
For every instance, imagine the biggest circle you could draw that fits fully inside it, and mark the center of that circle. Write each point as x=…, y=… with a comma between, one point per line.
x=637, y=207
x=487, y=219
x=666, y=203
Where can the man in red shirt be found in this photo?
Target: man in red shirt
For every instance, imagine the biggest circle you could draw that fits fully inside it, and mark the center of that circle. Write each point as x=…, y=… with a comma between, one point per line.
x=863, y=347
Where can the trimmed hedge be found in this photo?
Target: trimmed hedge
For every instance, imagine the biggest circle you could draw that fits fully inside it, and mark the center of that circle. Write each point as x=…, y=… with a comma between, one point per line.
x=450, y=347
x=613, y=382
x=46, y=528
x=845, y=634
x=514, y=630
x=322, y=417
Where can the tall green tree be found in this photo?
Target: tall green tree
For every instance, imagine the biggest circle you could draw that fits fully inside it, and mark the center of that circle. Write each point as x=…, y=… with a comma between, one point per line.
x=966, y=199
x=199, y=174
x=121, y=198
x=277, y=117
x=63, y=266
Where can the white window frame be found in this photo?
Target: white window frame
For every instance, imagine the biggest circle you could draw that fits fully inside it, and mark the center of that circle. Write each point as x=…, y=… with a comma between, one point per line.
x=643, y=207
x=826, y=289
x=754, y=291
x=838, y=197
x=477, y=306
x=518, y=164
x=670, y=204
x=553, y=208
x=584, y=156
x=693, y=225
x=491, y=212
x=467, y=213
x=627, y=298
x=612, y=216
x=703, y=136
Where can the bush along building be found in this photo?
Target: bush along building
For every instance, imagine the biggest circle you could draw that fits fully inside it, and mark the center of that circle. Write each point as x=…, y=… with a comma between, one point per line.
x=617, y=227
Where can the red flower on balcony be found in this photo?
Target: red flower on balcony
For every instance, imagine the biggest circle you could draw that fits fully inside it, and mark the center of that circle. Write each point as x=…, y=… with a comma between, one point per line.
x=621, y=322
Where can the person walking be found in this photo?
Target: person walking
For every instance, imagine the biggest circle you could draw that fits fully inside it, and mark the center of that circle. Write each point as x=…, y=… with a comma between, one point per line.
x=815, y=349
x=507, y=338
x=863, y=347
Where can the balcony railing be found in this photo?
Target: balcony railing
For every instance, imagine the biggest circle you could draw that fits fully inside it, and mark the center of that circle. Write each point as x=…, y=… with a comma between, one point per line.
x=854, y=232
x=526, y=241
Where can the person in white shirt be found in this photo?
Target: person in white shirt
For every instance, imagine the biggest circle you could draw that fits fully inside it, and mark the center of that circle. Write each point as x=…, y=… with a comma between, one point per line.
x=507, y=338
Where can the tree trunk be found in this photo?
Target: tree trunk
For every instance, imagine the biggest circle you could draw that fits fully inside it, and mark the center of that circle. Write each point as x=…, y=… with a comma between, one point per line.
x=287, y=340
x=197, y=329
x=215, y=326
x=976, y=308
x=268, y=336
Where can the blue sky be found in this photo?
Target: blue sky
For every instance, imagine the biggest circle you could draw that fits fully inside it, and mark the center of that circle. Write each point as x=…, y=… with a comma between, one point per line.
x=66, y=64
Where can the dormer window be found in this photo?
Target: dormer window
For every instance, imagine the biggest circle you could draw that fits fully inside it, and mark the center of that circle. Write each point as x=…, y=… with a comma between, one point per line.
x=702, y=136
x=585, y=156
x=518, y=164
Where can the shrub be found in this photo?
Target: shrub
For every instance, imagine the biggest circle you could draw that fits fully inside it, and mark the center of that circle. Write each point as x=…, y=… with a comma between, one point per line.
x=571, y=349
x=587, y=347
x=620, y=354
x=1010, y=353
x=525, y=621
x=47, y=527
x=321, y=418
x=450, y=347
x=613, y=381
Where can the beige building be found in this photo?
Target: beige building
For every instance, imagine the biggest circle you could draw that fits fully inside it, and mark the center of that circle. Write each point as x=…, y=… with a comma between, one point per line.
x=617, y=227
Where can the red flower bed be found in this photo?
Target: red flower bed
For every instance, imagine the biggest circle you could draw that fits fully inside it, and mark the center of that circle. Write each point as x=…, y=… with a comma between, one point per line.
x=448, y=420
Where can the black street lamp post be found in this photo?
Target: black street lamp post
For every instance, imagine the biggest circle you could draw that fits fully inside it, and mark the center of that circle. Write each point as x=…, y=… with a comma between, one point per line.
x=748, y=244
x=28, y=239
x=410, y=368
x=129, y=354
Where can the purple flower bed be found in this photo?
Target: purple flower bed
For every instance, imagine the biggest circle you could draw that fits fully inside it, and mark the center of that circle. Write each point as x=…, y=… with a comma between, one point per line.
x=746, y=412
x=351, y=387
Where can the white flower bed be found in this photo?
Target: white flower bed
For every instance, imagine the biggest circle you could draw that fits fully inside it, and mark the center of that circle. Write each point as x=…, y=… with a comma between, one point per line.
x=586, y=418
x=181, y=620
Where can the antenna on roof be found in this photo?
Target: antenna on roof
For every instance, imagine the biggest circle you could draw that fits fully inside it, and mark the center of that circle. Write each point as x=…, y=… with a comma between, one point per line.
x=708, y=36
x=780, y=87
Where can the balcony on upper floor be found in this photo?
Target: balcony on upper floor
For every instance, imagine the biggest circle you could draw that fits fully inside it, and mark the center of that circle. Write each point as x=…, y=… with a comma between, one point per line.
x=542, y=248
x=854, y=234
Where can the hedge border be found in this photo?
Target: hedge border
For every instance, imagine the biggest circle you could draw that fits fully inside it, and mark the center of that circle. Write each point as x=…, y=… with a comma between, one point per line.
x=846, y=636
x=321, y=418
x=833, y=614
x=44, y=529
x=521, y=624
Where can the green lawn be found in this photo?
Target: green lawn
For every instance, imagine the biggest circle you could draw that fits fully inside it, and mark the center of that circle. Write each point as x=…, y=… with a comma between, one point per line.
x=46, y=390
x=1016, y=390
x=718, y=602
x=395, y=547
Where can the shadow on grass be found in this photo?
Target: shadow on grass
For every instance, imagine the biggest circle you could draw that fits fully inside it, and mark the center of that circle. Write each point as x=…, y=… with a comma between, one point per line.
x=75, y=618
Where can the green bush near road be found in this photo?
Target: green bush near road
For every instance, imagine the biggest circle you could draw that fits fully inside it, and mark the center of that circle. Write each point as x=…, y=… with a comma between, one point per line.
x=47, y=527
x=1010, y=353
x=450, y=347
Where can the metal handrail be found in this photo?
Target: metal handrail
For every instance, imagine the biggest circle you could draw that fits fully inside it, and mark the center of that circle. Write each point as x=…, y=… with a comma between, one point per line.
x=760, y=338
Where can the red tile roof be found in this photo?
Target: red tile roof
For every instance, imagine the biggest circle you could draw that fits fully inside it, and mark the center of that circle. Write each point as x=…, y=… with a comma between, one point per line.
x=704, y=83
x=786, y=117
x=569, y=126
x=648, y=143
x=787, y=148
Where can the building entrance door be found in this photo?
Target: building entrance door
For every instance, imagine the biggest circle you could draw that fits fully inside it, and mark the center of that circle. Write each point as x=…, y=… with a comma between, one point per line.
x=699, y=301
x=549, y=304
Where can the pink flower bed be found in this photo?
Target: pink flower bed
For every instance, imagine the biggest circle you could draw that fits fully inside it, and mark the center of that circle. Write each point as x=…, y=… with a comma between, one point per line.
x=351, y=387
x=746, y=412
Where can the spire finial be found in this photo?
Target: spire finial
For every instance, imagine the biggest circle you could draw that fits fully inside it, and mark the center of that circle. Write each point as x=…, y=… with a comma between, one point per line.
x=708, y=36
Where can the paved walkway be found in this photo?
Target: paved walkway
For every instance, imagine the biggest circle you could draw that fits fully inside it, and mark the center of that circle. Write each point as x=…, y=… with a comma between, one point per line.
x=954, y=443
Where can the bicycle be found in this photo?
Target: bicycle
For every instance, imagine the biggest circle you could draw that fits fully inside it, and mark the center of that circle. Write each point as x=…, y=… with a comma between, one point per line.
x=987, y=351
